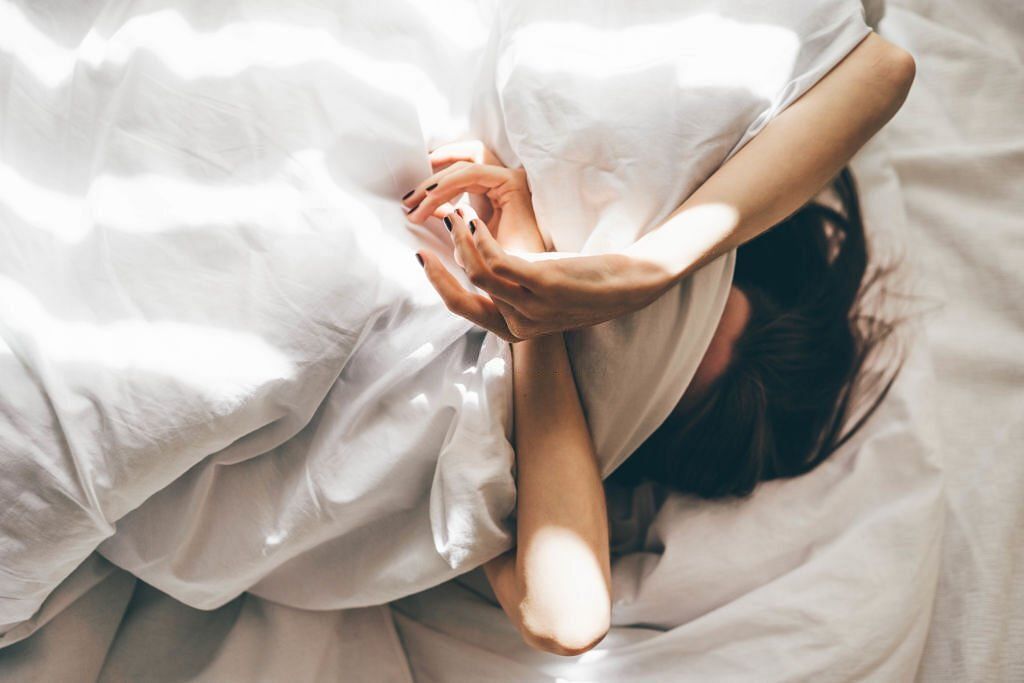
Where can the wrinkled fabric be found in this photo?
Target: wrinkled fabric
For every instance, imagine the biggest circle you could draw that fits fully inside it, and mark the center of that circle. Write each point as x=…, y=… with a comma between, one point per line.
x=221, y=364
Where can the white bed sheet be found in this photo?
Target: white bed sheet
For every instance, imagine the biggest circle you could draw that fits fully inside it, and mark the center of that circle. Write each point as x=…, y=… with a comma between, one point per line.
x=958, y=152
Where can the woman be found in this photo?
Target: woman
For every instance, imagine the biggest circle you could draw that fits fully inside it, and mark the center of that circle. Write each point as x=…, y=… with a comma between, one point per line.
x=771, y=397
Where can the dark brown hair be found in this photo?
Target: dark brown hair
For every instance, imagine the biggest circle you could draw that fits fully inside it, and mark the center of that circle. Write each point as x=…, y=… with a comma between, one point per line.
x=785, y=401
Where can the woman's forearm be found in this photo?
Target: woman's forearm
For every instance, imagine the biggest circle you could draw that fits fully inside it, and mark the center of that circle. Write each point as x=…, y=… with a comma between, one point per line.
x=555, y=586
x=785, y=165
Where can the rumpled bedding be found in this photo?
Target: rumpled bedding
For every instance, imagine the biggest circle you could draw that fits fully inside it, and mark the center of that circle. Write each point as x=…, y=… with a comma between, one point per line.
x=221, y=364
x=942, y=178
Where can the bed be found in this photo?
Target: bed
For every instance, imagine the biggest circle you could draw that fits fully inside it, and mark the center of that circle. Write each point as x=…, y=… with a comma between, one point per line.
x=943, y=181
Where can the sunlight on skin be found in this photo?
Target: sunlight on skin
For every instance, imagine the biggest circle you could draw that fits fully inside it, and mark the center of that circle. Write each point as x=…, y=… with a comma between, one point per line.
x=561, y=46
x=672, y=243
x=557, y=546
x=217, y=362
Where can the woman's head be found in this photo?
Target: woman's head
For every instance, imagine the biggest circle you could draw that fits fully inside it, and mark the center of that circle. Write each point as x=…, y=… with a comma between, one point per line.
x=773, y=394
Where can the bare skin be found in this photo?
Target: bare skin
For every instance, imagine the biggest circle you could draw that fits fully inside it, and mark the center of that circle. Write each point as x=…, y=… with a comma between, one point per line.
x=555, y=585
x=716, y=358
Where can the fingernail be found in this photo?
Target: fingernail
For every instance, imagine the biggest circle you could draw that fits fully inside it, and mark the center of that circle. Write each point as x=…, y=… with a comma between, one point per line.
x=407, y=195
x=431, y=187
x=412, y=209
x=472, y=227
x=459, y=211
x=448, y=223
x=419, y=258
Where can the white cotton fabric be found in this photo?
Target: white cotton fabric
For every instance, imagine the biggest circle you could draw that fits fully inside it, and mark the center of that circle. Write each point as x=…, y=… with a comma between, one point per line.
x=220, y=359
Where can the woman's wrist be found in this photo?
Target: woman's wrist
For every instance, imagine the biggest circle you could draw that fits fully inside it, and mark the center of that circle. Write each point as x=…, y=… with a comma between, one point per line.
x=522, y=233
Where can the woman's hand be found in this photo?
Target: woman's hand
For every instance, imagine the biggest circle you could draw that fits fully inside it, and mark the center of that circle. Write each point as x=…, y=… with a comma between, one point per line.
x=527, y=298
x=531, y=299
x=471, y=168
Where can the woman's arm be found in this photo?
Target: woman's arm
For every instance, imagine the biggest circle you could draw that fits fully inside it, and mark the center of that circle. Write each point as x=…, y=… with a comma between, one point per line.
x=781, y=169
x=789, y=162
x=555, y=585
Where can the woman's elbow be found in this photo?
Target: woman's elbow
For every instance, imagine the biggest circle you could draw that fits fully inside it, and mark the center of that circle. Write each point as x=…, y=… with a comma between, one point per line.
x=896, y=70
x=902, y=68
x=571, y=627
x=568, y=635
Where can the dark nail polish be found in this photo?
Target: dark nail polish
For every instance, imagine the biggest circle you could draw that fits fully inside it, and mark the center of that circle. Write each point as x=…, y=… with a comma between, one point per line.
x=407, y=195
x=448, y=223
x=419, y=258
x=472, y=227
x=459, y=211
x=431, y=187
x=412, y=209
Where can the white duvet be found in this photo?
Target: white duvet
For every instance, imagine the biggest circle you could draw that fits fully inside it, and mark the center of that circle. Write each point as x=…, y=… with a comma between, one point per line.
x=221, y=364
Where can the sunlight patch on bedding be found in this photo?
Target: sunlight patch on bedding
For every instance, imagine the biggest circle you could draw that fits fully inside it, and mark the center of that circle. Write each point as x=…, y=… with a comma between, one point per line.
x=303, y=197
x=219, y=363
x=707, y=50
x=60, y=213
x=495, y=369
x=457, y=18
x=224, y=53
x=50, y=63
x=469, y=396
x=423, y=352
x=149, y=203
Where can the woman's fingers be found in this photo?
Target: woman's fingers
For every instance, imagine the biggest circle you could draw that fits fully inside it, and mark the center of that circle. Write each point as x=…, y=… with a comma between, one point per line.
x=448, y=184
x=413, y=199
x=476, y=308
x=476, y=267
x=472, y=151
x=443, y=210
x=503, y=264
